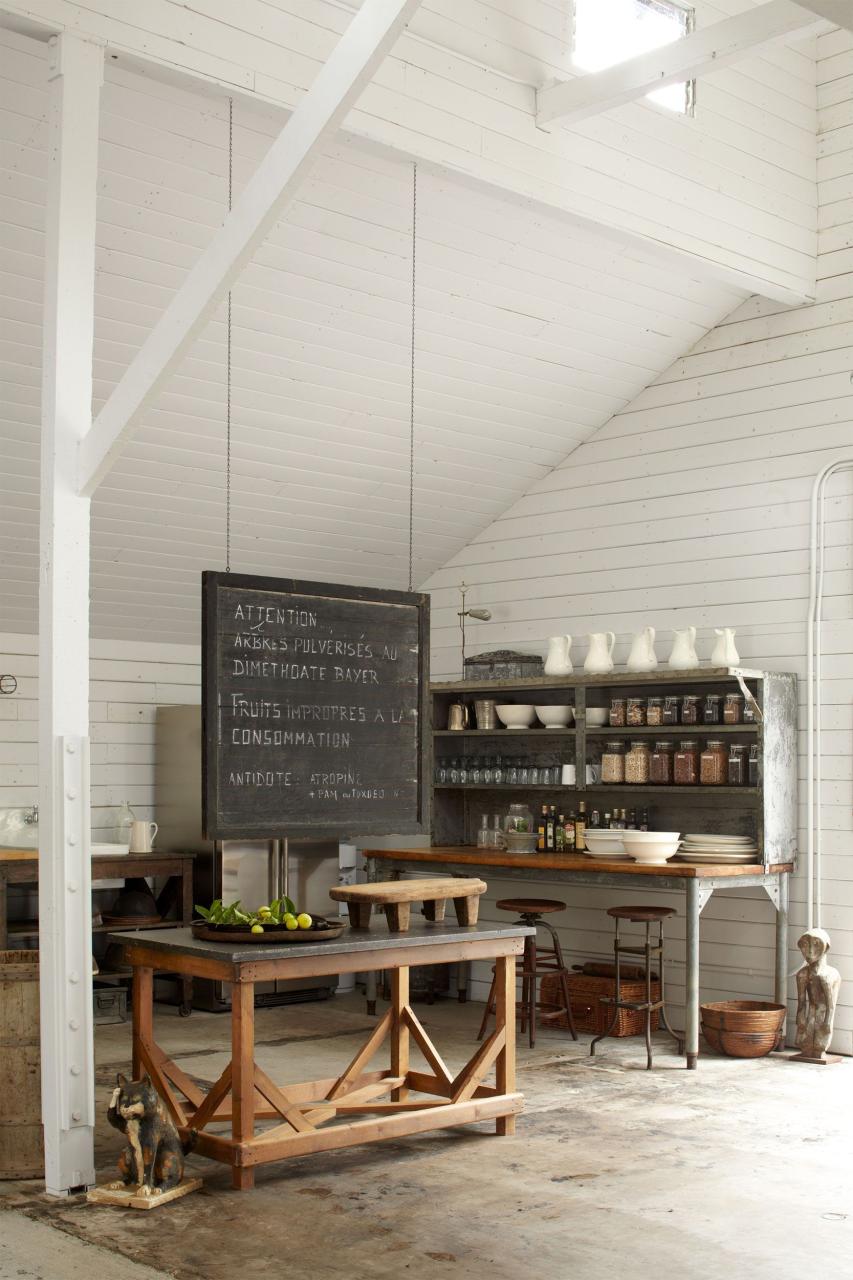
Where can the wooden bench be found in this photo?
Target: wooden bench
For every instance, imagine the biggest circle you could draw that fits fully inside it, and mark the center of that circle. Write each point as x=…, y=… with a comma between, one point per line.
x=396, y=898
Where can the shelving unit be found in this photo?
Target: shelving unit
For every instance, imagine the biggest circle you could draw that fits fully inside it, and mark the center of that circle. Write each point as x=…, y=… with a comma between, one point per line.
x=768, y=811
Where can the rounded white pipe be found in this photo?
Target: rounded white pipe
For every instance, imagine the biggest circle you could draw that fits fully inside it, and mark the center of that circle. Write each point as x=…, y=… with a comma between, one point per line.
x=814, y=772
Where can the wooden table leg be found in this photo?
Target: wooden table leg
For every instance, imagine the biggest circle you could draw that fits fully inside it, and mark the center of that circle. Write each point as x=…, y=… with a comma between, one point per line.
x=505, y=1020
x=243, y=1074
x=399, y=1030
x=143, y=1014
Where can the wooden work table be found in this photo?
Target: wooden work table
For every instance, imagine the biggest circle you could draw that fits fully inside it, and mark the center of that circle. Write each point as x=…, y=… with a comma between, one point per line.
x=697, y=883
x=322, y=1115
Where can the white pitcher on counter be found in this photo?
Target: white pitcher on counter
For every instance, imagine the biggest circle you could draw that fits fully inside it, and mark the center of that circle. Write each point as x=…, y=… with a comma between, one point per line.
x=558, y=661
x=599, y=658
x=684, y=656
x=642, y=656
x=725, y=654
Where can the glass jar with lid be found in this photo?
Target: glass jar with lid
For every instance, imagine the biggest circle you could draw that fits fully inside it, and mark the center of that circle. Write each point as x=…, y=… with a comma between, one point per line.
x=637, y=763
x=733, y=708
x=661, y=764
x=690, y=708
x=752, y=770
x=685, y=765
x=616, y=715
x=613, y=762
x=670, y=710
x=712, y=709
x=738, y=763
x=519, y=818
x=635, y=712
x=714, y=764
x=654, y=712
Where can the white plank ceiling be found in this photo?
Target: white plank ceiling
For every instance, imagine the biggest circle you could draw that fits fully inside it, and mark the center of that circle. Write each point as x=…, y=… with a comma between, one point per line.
x=531, y=333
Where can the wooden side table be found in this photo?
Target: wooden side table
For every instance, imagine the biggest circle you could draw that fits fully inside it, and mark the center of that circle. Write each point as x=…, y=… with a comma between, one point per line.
x=323, y=1115
x=21, y=867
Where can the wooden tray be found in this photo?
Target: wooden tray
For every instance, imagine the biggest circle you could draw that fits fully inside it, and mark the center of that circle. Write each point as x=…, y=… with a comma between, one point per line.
x=273, y=933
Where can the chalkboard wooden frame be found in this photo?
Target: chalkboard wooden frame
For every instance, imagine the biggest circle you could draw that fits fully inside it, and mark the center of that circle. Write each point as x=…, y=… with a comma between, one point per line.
x=216, y=825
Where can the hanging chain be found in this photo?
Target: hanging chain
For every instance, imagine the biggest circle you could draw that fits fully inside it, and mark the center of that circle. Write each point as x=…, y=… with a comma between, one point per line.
x=412, y=380
x=228, y=357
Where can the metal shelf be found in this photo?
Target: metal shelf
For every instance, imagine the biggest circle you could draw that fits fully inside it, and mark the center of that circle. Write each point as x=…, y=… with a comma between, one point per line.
x=637, y=789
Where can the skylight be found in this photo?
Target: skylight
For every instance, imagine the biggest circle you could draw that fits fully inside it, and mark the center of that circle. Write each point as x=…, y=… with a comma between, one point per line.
x=611, y=31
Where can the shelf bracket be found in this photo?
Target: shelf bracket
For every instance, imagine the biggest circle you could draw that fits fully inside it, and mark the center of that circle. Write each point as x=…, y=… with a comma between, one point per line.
x=703, y=895
x=774, y=891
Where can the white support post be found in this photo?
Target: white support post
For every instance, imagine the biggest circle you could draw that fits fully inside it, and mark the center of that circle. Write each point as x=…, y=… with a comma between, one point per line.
x=705, y=50
x=65, y=916
x=340, y=81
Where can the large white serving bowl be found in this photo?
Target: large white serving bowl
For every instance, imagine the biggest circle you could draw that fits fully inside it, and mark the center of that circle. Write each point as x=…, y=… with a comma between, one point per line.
x=653, y=837
x=516, y=715
x=597, y=717
x=604, y=842
x=556, y=717
x=651, y=852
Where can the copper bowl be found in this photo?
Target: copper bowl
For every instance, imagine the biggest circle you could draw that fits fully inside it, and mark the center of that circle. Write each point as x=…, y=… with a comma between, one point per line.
x=742, y=1028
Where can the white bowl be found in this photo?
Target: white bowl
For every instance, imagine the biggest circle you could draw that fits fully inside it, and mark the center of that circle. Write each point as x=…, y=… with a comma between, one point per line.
x=556, y=717
x=604, y=841
x=597, y=717
x=653, y=837
x=516, y=715
x=652, y=853
x=521, y=841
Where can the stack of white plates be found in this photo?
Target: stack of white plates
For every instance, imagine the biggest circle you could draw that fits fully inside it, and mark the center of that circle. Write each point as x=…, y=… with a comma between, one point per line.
x=698, y=847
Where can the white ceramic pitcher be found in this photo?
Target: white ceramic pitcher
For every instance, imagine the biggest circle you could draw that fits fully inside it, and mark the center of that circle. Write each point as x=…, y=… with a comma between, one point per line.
x=684, y=656
x=725, y=654
x=599, y=658
x=558, y=661
x=642, y=656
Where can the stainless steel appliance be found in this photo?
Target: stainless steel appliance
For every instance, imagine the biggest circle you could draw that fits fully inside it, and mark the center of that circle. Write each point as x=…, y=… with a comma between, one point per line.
x=255, y=871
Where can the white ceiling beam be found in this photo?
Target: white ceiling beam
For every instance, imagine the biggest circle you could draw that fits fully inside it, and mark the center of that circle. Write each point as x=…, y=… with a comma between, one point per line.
x=260, y=206
x=571, y=101
x=839, y=12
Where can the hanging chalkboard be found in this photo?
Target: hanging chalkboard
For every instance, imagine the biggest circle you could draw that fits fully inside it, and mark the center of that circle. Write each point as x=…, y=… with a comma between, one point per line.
x=314, y=708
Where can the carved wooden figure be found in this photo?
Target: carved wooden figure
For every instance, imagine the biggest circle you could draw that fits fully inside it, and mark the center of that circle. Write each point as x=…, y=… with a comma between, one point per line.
x=818, y=984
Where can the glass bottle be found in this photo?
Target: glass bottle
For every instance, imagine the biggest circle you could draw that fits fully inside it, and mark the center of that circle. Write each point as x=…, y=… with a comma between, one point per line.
x=569, y=834
x=441, y=771
x=125, y=817
x=484, y=834
x=498, y=772
x=542, y=830
x=487, y=771
x=690, y=708
x=475, y=773
x=512, y=772
x=670, y=710
x=463, y=769
x=635, y=714
x=711, y=709
x=454, y=770
x=617, y=713
x=580, y=828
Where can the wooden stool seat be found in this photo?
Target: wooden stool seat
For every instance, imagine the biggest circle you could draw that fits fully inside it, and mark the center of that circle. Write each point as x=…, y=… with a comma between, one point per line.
x=530, y=906
x=641, y=915
x=395, y=897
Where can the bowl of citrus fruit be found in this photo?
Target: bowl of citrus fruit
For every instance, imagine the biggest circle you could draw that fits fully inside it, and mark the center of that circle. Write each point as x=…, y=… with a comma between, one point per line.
x=279, y=921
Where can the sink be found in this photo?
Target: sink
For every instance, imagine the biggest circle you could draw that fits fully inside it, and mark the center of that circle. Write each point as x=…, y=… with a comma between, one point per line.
x=16, y=832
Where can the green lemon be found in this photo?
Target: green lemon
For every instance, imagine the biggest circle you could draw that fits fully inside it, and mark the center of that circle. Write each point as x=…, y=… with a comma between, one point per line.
x=257, y=928
x=304, y=920
x=264, y=911
x=291, y=922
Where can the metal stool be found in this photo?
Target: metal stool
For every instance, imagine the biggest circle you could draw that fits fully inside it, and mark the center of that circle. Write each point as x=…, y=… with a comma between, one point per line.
x=534, y=963
x=649, y=950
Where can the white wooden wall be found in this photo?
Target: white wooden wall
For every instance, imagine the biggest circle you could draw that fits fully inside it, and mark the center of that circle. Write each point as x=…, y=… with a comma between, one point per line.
x=691, y=506
x=129, y=681
x=734, y=186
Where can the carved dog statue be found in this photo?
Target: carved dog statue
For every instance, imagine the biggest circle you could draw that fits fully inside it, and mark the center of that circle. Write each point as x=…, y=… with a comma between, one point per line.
x=153, y=1160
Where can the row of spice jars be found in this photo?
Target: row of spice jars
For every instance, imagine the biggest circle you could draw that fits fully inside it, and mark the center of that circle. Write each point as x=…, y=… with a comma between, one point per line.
x=683, y=765
x=690, y=708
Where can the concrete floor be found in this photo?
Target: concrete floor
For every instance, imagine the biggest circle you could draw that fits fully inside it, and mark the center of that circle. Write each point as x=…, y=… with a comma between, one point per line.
x=742, y=1168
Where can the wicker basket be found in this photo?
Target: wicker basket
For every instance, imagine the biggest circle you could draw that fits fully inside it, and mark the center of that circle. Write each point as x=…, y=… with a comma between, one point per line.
x=742, y=1028
x=589, y=1014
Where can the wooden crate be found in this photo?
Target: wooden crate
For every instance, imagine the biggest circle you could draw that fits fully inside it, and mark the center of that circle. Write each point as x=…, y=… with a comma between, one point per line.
x=589, y=1014
x=21, y=1149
